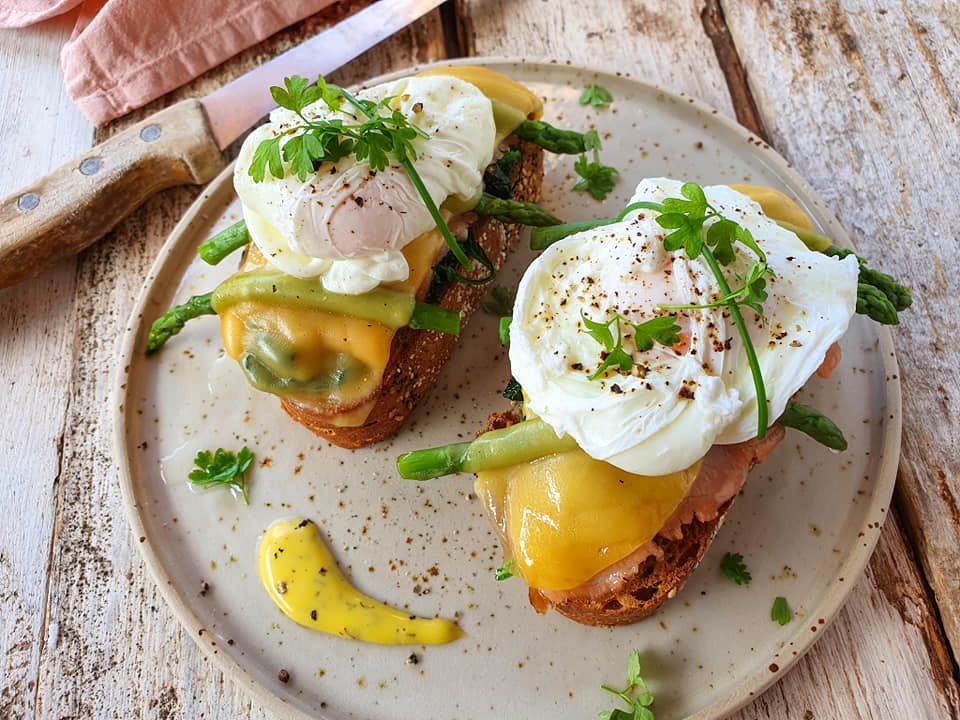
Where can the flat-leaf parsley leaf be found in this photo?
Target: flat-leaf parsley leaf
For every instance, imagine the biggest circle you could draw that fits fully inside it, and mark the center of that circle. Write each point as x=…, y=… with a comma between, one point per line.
x=223, y=468
x=595, y=177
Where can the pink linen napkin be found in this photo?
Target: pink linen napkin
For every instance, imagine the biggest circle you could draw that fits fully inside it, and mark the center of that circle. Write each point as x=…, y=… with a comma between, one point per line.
x=125, y=53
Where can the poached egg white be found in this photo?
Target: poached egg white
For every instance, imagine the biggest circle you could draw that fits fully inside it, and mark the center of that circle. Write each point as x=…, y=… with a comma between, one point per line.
x=677, y=401
x=347, y=224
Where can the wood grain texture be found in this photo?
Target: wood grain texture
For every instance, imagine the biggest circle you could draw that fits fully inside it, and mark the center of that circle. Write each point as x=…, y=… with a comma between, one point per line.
x=73, y=206
x=110, y=648
x=885, y=653
x=84, y=633
x=36, y=355
x=863, y=98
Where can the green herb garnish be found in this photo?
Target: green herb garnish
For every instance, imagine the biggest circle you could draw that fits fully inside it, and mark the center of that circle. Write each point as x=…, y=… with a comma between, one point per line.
x=686, y=218
x=734, y=568
x=500, y=301
x=497, y=177
x=223, y=468
x=447, y=271
x=663, y=330
x=384, y=133
x=596, y=96
x=780, y=612
x=636, y=695
x=507, y=570
x=595, y=177
x=513, y=391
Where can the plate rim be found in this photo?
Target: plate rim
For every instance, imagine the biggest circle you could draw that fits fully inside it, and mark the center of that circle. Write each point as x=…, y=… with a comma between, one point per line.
x=752, y=685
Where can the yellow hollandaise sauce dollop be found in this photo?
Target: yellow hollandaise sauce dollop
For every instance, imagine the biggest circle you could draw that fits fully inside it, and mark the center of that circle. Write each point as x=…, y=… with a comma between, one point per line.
x=302, y=577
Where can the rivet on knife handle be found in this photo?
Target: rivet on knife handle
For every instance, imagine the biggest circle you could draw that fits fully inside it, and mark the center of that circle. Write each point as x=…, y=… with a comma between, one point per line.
x=81, y=201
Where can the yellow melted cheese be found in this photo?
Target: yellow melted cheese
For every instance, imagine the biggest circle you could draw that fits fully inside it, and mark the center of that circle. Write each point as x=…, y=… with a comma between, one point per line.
x=302, y=578
x=776, y=205
x=316, y=337
x=566, y=517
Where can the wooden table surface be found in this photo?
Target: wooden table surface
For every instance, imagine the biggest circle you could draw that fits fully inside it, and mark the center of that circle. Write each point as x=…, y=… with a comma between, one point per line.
x=862, y=96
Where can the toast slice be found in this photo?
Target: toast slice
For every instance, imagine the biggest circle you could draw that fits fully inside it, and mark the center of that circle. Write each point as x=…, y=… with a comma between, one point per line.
x=418, y=356
x=636, y=586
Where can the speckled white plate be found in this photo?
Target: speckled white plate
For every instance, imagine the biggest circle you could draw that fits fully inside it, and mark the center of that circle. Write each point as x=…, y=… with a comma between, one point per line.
x=807, y=520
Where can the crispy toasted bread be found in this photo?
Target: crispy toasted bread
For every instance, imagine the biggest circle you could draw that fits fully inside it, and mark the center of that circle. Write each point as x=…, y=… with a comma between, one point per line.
x=417, y=356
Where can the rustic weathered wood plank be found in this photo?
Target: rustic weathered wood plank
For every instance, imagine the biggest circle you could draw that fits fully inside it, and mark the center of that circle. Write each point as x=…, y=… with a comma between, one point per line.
x=111, y=648
x=40, y=130
x=885, y=653
x=863, y=98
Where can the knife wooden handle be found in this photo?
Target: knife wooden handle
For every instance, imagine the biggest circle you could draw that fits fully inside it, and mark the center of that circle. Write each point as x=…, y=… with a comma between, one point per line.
x=81, y=201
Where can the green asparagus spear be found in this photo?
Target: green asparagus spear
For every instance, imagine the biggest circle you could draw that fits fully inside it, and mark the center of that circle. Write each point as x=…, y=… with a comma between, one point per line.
x=224, y=242
x=496, y=449
x=815, y=424
x=898, y=295
x=173, y=320
x=514, y=211
x=874, y=304
x=564, y=142
x=543, y=237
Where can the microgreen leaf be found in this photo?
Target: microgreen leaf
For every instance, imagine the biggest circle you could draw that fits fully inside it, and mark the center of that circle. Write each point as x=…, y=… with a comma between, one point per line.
x=686, y=217
x=222, y=468
x=596, y=96
x=507, y=570
x=663, y=330
x=780, y=611
x=596, y=178
x=599, y=332
x=636, y=695
x=735, y=569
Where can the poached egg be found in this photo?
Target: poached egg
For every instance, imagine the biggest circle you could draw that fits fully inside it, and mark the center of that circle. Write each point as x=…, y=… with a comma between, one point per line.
x=347, y=224
x=678, y=401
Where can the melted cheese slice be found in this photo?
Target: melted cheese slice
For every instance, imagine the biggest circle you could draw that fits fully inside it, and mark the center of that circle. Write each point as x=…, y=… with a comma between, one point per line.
x=566, y=517
x=317, y=337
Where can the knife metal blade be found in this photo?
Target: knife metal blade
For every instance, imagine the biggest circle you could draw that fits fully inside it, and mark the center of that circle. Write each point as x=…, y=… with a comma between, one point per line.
x=237, y=106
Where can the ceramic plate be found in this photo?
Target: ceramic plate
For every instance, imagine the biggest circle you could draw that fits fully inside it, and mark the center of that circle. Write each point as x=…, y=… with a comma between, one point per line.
x=807, y=520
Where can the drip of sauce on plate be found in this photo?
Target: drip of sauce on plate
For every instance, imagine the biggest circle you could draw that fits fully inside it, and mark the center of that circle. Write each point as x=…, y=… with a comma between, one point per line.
x=302, y=578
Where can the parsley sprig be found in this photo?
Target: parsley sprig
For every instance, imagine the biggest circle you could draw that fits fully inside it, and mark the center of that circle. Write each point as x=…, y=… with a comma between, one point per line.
x=663, y=330
x=686, y=217
x=385, y=132
x=223, y=468
x=595, y=177
x=636, y=695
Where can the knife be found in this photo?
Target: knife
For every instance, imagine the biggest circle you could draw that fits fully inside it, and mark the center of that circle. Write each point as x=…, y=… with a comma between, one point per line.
x=79, y=202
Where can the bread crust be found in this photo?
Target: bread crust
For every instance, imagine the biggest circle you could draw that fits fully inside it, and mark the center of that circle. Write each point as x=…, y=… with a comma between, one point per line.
x=656, y=580
x=418, y=356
